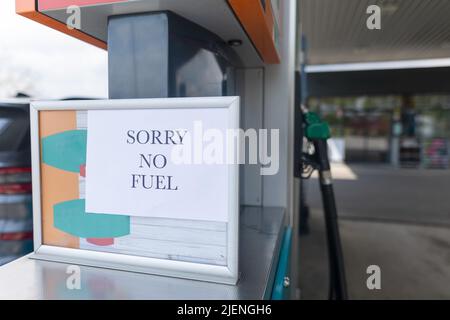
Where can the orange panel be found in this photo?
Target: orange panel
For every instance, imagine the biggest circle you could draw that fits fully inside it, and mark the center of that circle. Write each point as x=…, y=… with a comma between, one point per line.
x=27, y=8
x=259, y=25
x=52, y=180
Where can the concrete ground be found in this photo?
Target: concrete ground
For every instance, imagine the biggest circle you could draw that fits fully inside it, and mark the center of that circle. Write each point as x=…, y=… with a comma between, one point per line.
x=398, y=219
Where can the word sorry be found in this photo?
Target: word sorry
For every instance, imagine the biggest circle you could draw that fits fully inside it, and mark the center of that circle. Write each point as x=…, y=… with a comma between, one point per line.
x=162, y=137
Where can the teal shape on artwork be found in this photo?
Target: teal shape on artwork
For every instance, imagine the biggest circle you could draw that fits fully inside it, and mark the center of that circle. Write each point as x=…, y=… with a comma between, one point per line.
x=72, y=218
x=65, y=150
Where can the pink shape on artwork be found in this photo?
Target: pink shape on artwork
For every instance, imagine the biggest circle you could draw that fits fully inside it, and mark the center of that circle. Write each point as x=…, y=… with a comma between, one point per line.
x=101, y=242
x=83, y=170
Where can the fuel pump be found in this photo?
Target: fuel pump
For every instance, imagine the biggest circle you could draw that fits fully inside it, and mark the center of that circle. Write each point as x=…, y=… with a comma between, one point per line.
x=315, y=157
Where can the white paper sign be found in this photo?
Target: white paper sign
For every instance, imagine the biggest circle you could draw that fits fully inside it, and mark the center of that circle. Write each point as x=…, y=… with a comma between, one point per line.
x=129, y=169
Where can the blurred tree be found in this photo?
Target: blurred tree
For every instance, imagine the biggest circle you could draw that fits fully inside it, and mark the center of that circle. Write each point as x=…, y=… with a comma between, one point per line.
x=15, y=78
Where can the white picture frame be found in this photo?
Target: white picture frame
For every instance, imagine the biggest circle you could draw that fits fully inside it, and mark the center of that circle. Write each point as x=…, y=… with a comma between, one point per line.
x=227, y=274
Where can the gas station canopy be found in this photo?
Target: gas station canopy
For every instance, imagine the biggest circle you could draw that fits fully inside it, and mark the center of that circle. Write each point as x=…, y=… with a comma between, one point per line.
x=253, y=23
x=336, y=30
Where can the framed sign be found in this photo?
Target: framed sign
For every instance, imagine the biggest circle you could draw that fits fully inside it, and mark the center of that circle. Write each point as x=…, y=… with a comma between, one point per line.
x=145, y=185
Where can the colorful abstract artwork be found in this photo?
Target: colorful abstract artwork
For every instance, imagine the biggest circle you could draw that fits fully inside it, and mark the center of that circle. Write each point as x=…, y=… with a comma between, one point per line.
x=67, y=151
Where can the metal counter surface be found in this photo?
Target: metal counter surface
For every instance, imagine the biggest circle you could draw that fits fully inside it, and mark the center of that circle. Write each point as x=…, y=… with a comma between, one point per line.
x=261, y=232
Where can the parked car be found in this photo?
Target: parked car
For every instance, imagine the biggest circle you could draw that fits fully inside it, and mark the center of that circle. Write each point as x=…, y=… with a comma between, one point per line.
x=16, y=227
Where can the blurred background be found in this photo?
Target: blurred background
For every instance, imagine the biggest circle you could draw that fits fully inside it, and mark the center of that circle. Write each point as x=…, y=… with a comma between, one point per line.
x=45, y=63
x=386, y=96
x=39, y=63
